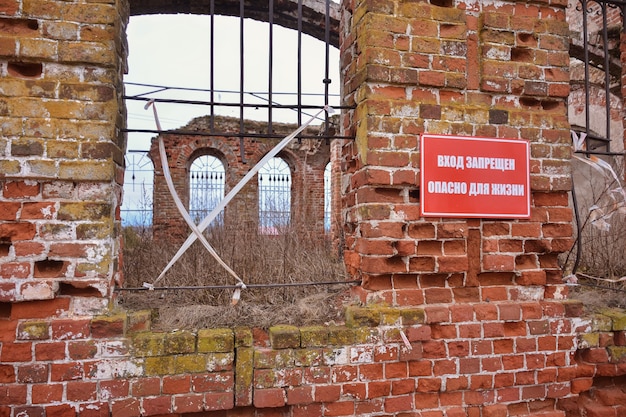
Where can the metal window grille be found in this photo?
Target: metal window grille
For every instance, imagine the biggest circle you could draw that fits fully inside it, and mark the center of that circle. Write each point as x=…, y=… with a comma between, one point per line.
x=274, y=196
x=136, y=209
x=206, y=187
x=319, y=19
x=327, y=196
x=595, y=47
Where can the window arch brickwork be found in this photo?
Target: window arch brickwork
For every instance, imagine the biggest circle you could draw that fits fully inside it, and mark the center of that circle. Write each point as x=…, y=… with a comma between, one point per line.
x=307, y=159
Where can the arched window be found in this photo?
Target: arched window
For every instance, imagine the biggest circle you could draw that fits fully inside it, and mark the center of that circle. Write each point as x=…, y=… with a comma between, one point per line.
x=206, y=187
x=138, y=185
x=274, y=196
x=327, y=197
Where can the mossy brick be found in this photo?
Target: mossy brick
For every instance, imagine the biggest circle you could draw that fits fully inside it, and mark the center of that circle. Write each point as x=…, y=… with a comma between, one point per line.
x=366, y=335
x=412, y=316
x=601, y=323
x=269, y=358
x=362, y=316
x=243, y=337
x=216, y=362
x=139, y=321
x=189, y=363
x=216, y=340
x=264, y=378
x=100, y=268
x=86, y=170
x=149, y=344
x=72, y=211
x=340, y=336
x=308, y=357
x=244, y=370
x=180, y=342
x=389, y=316
x=618, y=318
x=33, y=330
x=284, y=337
x=617, y=354
x=108, y=326
x=99, y=230
x=159, y=365
x=313, y=336
x=10, y=167
x=588, y=340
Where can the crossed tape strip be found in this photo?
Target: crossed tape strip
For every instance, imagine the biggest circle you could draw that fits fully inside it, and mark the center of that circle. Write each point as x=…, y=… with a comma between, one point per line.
x=198, y=229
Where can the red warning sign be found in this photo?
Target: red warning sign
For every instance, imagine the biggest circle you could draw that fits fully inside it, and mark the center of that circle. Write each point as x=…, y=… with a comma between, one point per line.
x=474, y=177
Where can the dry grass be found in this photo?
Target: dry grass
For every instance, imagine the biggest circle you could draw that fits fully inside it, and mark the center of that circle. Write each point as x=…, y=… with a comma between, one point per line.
x=292, y=257
x=602, y=239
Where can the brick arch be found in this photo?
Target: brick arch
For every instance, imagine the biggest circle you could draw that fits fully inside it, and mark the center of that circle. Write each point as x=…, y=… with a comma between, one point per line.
x=285, y=13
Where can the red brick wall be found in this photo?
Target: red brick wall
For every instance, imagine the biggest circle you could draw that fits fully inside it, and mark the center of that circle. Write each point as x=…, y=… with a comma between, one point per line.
x=306, y=159
x=456, y=317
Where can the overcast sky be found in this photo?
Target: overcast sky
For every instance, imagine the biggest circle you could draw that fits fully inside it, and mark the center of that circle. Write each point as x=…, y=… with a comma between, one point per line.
x=173, y=50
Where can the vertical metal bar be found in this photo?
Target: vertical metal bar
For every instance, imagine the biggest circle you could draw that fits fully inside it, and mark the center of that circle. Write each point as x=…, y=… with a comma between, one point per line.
x=270, y=66
x=241, y=81
x=299, y=65
x=607, y=75
x=586, y=57
x=211, y=64
x=327, y=79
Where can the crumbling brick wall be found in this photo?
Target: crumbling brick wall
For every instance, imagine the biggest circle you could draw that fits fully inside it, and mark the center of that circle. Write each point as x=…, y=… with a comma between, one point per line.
x=307, y=159
x=457, y=317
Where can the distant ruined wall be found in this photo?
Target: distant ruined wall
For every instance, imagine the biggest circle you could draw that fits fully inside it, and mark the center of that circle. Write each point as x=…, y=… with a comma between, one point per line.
x=306, y=158
x=456, y=317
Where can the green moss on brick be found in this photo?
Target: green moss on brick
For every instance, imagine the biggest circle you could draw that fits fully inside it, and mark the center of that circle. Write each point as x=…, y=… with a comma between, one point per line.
x=264, y=379
x=617, y=354
x=220, y=361
x=109, y=326
x=284, y=337
x=363, y=316
x=390, y=316
x=34, y=330
x=601, y=323
x=618, y=318
x=160, y=365
x=411, y=316
x=216, y=340
x=189, y=364
x=313, y=336
x=149, y=344
x=366, y=335
x=588, y=340
x=268, y=358
x=339, y=335
x=243, y=337
x=308, y=357
x=180, y=342
x=139, y=320
x=243, y=376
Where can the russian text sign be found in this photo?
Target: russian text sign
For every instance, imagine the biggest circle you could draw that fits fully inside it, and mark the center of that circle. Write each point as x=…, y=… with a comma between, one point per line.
x=474, y=177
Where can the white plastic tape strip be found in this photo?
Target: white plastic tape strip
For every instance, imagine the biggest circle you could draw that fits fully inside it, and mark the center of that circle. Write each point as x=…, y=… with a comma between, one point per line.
x=179, y=204
x=217, y=210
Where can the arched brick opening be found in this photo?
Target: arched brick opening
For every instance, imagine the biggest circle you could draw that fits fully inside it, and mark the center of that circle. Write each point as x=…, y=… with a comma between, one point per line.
x=313, y=13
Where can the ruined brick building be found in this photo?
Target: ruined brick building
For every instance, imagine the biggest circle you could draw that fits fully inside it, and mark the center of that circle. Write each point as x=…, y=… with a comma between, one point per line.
x=460, y=316
x=303, y=180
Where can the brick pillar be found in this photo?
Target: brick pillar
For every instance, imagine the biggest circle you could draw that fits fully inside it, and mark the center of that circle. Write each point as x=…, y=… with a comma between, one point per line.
x=495, y=70
x=61, y=148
